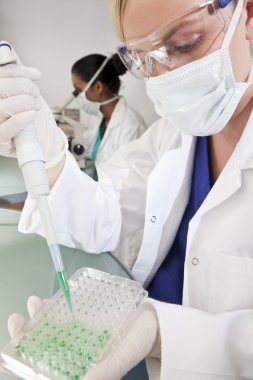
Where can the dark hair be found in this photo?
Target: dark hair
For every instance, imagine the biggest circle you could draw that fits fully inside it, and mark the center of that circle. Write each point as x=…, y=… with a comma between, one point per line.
x=86, y=67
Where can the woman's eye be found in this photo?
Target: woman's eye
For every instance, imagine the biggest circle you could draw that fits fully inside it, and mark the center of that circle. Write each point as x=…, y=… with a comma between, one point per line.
x=189, y=46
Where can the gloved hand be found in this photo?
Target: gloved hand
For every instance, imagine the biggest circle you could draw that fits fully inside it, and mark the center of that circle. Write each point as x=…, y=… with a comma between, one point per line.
x=17, y=321
x=20, y=105
x=142, y=339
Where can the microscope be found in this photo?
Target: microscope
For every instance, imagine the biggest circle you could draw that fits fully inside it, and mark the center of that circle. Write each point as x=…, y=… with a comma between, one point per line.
x=68, y=119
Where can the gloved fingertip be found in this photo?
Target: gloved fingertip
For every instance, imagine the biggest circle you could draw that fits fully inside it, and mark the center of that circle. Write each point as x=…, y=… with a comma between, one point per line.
x=15, y=324
x=34, y=304
x=13, y=70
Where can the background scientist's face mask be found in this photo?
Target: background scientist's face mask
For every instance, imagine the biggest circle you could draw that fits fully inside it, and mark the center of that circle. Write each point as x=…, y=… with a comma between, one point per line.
x=88, y=106
x=200, y=97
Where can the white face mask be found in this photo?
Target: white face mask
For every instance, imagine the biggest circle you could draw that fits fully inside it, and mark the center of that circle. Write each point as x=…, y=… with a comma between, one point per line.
x=200, y=97
x=88, y=106
x=91, y=108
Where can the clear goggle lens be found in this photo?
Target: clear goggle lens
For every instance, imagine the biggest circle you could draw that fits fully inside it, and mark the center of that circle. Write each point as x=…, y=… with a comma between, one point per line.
x=184, y=40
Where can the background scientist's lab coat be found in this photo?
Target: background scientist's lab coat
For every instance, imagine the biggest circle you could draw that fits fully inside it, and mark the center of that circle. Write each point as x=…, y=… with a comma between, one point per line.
x=147, y=183
x=125, y=125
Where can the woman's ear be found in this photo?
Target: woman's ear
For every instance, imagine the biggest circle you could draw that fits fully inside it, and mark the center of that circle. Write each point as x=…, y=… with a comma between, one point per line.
x=99, y=87
x=249, y=21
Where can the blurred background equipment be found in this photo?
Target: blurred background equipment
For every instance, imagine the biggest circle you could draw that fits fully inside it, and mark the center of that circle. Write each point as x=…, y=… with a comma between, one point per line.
x=68, y=119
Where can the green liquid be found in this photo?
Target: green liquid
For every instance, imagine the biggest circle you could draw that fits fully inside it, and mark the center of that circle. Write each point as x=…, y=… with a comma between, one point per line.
x=66, y=351
x=63, y=281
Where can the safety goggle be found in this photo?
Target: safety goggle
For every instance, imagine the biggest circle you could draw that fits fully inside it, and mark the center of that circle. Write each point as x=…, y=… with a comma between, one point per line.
x=180, y=41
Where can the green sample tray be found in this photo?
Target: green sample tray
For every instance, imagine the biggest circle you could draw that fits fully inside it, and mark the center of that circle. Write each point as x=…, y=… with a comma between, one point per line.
x=60, y=345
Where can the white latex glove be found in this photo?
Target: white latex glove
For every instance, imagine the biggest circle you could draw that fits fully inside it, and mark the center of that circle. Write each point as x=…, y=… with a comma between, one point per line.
x=20, y=105
x=16, y=321
x=141, y=340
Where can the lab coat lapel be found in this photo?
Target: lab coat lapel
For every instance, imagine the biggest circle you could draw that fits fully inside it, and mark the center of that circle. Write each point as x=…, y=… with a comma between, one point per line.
x=229, y=182
x=226, y=185
x=230, y=179
x=114, y=122
x=165, y=184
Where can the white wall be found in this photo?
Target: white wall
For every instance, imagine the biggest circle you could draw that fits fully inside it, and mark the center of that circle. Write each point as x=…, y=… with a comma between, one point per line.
x=52, y=34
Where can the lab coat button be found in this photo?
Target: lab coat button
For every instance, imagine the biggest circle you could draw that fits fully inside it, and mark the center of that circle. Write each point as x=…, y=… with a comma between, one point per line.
x=153, y=219
x=195, y=261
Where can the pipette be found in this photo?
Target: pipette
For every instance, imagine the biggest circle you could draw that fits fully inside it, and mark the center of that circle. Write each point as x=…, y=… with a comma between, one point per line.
x=31, y=162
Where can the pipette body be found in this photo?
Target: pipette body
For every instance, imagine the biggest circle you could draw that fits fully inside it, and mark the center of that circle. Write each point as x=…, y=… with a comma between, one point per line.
x=31, y=161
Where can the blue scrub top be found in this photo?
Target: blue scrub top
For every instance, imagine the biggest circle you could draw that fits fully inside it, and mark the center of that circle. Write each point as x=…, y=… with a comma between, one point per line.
x=167, y=285
x=101, y=132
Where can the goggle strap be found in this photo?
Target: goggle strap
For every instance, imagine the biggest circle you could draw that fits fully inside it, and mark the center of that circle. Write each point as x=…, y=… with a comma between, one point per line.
x=96, y=74
x=233, y=24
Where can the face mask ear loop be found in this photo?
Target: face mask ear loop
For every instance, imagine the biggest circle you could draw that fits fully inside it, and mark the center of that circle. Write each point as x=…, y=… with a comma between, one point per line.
x=110, y=100
x=92, y=80
x=233, y=24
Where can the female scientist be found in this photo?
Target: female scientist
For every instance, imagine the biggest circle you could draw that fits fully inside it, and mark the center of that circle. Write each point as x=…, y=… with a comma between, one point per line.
x=96, y=78
x=188, y=180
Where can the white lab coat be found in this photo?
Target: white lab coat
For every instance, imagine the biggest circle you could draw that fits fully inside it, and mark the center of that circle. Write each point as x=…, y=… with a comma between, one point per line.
x=210, y=337
x=125, y=125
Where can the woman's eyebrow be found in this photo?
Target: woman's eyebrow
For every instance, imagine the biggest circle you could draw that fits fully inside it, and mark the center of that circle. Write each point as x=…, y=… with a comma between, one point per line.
x=173, y=31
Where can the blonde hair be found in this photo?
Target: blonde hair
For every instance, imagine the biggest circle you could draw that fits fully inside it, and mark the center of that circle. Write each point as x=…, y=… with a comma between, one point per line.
x=117, y=8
